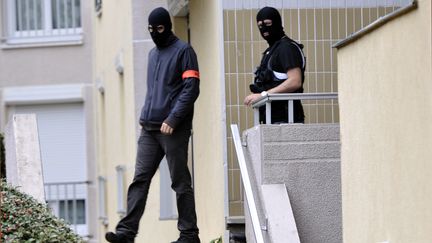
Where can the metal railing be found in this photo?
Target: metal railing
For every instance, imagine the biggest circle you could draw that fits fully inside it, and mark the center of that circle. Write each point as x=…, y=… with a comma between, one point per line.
x=68, y=200
x=247, y=185
x=289, y=97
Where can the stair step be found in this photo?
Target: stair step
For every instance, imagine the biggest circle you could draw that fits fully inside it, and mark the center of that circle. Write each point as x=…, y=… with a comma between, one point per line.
x=300, y=132
x=301, y=150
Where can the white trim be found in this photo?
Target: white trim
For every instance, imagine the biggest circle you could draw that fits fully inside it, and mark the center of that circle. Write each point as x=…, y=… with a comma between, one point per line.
x=120, y=173
x=223, y=121
x=47, y=15
x=78, y=38
x=52, y=34
x=9, y=46
x=43, y=94
x=250, y=199
x=102, y=196
x=10, y=8
x=280, y=76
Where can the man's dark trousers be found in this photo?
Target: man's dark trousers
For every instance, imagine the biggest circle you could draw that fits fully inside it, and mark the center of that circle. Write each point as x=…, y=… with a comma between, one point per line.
x=152, y=146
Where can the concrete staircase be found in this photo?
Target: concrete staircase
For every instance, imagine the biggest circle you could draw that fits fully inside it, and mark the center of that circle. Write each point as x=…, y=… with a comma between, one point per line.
x=295, y=175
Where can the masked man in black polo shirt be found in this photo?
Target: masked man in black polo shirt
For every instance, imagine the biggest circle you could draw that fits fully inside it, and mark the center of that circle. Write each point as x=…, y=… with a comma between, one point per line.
x=281, y=70
x=166, y=120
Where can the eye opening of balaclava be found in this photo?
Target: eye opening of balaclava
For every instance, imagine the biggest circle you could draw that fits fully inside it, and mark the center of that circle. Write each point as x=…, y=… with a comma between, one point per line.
x=160, y=16
x=275, y=31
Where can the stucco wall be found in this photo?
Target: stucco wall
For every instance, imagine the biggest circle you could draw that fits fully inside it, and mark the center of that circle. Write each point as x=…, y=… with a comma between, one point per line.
x=116, y=139
x=385, y=118
x=50, y=65
x=123, y=26
x=43, y=64
x=209, y=121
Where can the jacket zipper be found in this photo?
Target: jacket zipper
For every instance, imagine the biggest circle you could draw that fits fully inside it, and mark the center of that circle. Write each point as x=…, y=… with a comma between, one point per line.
x=156, y=77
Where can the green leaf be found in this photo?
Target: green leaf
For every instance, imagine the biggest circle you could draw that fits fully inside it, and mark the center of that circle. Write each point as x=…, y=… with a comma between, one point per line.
x=23, y=219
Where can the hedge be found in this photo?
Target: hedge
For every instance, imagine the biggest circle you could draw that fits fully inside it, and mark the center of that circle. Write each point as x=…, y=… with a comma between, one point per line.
x=23, y=219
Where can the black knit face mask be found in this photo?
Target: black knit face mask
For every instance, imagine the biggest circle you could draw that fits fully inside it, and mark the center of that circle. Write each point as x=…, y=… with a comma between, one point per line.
x=158, y=20
x=275, y=29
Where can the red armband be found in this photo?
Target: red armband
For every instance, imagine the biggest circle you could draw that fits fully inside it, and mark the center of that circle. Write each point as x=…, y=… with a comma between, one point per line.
x=190, y=74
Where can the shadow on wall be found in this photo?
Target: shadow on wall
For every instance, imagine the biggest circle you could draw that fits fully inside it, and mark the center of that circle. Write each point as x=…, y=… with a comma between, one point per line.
x=2, y=158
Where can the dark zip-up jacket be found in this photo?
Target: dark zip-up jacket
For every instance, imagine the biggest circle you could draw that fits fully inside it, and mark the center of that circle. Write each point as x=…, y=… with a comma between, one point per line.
x=170, y=98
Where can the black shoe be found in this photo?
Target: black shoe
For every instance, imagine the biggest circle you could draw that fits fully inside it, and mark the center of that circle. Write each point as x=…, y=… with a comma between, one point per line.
x=117, y=238
x=183, y=239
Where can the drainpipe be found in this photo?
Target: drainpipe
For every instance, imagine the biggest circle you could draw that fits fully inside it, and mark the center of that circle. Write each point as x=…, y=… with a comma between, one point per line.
x=188, y=28
x=192, y=131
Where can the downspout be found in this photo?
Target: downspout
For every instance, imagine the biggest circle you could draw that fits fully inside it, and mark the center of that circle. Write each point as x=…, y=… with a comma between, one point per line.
x=192, y=131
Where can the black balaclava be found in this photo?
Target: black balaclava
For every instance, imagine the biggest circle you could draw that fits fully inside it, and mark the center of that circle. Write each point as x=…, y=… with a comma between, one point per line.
x=160, y=16
x=275, y=30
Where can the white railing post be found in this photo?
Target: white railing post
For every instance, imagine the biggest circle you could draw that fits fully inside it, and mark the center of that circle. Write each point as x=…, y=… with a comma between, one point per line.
x=268, y=112
x=256, y=116
x=290, y=111
x=247, y=185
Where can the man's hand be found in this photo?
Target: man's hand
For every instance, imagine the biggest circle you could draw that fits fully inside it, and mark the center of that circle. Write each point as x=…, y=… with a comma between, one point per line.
x=166, y=129
x=251, y=99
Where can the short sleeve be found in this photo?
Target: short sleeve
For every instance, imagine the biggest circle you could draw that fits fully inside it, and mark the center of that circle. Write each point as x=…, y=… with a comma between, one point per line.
x=286, y=57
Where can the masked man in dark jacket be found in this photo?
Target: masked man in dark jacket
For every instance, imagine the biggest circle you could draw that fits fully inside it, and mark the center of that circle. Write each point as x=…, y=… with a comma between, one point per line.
x=166, y=120
x=281, y=70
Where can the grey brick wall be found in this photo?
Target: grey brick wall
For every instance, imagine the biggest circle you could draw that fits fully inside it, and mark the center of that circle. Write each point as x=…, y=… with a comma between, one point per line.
x=306, y=158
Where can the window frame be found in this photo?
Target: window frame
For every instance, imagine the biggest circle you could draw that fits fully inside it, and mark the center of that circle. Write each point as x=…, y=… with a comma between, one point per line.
x=80, y=229
x=45, y=35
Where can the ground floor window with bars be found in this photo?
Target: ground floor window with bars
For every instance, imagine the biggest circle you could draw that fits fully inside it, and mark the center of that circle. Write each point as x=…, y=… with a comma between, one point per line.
x=41, y=20
x=73, y=211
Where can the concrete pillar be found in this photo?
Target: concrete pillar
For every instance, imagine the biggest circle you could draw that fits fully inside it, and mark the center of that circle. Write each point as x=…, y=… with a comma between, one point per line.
x=23, y=158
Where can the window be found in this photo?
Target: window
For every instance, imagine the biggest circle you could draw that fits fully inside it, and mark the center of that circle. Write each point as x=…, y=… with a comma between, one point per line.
x=102, y=197
x=73, y=211
x=121, y=209
x=43, y=20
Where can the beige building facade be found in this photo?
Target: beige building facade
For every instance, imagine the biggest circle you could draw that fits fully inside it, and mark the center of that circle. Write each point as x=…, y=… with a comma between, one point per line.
x=121, y=37
x=84, y=74
x=90, y=71
x=385, y=118
x=46, y=69
x=228, y=45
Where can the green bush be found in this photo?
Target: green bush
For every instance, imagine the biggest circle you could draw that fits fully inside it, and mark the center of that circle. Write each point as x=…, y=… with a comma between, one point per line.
x=2, y=158
x=23, y=219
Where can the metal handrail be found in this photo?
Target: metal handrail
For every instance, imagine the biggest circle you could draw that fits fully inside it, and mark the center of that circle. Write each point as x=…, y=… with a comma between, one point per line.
x=290, y=97
x=61, y=192
x=247, y=185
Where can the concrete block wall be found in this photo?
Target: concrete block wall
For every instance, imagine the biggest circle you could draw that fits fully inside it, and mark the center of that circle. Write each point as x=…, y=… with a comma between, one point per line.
x=306, y=158
x=23, y=157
